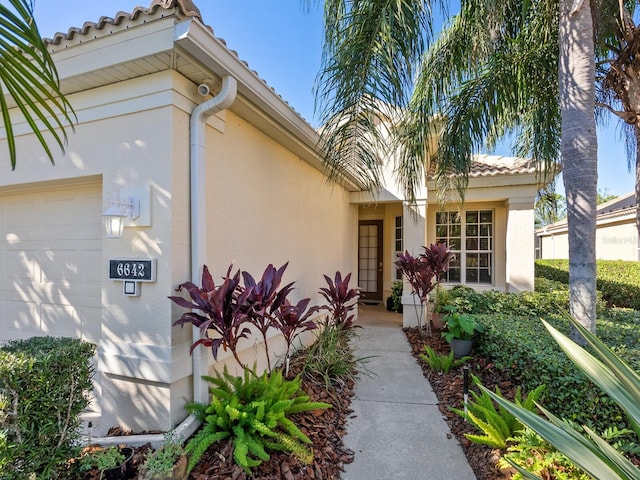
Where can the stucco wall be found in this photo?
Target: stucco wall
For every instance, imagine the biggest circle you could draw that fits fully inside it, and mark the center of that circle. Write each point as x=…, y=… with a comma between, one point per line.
x=614, y=241
x=264, y=205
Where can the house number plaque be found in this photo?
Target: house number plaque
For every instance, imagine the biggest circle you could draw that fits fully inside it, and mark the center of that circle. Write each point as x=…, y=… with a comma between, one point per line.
x=132, y=269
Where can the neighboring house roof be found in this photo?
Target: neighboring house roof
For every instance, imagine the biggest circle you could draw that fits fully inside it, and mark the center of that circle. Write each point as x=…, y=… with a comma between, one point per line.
x=620, y=208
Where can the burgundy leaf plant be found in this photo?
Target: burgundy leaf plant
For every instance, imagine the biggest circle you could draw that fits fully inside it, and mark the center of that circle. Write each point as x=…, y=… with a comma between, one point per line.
x=219, y=308
x=341, y=300
x=423, y=273
x=264, y=301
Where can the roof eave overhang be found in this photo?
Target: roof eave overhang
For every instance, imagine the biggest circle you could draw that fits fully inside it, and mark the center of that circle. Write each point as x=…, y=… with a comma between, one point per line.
x=257, y=102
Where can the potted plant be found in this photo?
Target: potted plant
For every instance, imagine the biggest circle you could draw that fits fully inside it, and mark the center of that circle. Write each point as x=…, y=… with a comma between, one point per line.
x=460, y=329
x=394, y=302
x=169, y=462
x=113, y=463
x=441, y=300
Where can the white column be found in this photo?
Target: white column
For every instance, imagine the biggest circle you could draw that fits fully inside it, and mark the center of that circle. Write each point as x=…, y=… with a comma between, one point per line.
x=520, y=244
x=414, y=234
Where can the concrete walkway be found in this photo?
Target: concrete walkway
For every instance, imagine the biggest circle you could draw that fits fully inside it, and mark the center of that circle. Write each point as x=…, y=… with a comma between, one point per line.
x=396, y=430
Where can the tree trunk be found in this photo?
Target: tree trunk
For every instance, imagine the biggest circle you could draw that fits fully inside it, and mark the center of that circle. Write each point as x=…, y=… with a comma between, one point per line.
x=636, y=131
x=576, y=75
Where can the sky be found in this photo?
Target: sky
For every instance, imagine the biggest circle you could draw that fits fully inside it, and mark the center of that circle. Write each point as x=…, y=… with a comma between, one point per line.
x=282, y=41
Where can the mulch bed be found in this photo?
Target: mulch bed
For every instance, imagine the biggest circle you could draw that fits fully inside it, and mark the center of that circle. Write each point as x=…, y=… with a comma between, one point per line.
x=325, y=429
x=449, y=390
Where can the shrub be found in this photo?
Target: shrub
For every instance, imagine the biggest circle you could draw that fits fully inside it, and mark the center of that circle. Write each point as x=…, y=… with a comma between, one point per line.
x=253, y=412
x=45, y=384
x=227, y=310
x=160, y=463
x=617, y=280
x=523, y=347
x=341, y=300
x=582, y=445
x=528, y=448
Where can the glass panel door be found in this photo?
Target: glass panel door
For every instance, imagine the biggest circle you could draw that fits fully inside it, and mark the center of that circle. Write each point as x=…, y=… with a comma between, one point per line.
x=370, y=259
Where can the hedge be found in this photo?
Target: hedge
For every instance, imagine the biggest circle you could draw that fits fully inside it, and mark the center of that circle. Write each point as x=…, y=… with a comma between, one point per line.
x=45, y=384
x=618, y=280
x=524, y=348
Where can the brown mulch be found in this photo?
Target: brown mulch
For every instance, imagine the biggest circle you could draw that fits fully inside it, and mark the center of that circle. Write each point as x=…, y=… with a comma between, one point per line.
x=449, y=390
x=325, y=429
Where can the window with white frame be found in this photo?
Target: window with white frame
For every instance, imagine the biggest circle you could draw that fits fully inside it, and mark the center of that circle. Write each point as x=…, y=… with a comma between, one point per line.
x=470, y=236
x=398, y=242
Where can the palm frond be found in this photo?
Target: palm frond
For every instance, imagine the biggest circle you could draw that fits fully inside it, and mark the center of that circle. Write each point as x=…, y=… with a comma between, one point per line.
x=28, y=74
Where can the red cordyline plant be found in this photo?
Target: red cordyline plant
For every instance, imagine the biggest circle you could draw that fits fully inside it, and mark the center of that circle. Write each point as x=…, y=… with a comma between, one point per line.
x=423, y=273
x=229, y=308
x=219, y=308
x=264, y=300
x=341, y=300
x=292, y=320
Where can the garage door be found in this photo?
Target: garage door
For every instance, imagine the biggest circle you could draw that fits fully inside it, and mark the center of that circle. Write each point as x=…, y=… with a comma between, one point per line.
x=50, y=262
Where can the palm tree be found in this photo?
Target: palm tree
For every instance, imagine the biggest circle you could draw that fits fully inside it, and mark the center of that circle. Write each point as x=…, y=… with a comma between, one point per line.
x=576, y=78
x=494, y=71
x=29, y=77
x=618, y=75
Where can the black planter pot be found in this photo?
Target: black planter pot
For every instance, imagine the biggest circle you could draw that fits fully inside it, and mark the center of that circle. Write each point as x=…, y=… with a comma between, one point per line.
x=124, y=471
x=461, y=348
x=390, y=306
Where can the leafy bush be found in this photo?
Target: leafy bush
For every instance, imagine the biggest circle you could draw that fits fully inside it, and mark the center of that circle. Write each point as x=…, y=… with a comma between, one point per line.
x=588, y=450
x=528, y=448
x=523, y=347
x=460, y=326
x=45, y=384
x=253, y=412
x=161, y=462
x=341, y=300
x=424, y=272
x=618, y=280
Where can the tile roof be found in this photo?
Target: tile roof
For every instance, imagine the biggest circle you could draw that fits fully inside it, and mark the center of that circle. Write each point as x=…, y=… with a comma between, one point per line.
x=185, y=8
x=494, y=165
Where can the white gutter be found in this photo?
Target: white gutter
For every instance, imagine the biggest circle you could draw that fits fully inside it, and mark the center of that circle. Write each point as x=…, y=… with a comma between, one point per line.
x=199, y=117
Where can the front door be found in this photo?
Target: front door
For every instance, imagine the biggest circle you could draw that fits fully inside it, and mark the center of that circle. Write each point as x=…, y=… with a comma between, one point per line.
x=370, y=259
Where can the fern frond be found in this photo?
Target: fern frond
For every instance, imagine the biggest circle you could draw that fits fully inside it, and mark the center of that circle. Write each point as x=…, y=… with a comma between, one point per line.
x=293, y=430
x=200, y=443
x=493, y=436
x=308, y=406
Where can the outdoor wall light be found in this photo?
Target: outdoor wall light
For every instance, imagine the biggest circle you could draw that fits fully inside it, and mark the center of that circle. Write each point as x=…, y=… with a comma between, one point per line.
x=120, y=210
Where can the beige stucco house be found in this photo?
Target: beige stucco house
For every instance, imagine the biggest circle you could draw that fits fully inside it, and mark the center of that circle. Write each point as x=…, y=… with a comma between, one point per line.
x=616, y=232
x=224, y=171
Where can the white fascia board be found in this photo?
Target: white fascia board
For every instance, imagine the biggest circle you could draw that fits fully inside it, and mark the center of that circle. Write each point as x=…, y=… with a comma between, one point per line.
x=256, y=100
x=123, y=46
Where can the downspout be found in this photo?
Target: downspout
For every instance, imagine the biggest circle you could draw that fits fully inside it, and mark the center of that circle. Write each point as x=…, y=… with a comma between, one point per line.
x=199, y=116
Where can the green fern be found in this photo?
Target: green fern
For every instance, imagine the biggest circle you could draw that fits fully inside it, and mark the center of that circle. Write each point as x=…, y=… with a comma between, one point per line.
x=441, y=363
x=496, y=424
x=252, y=410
